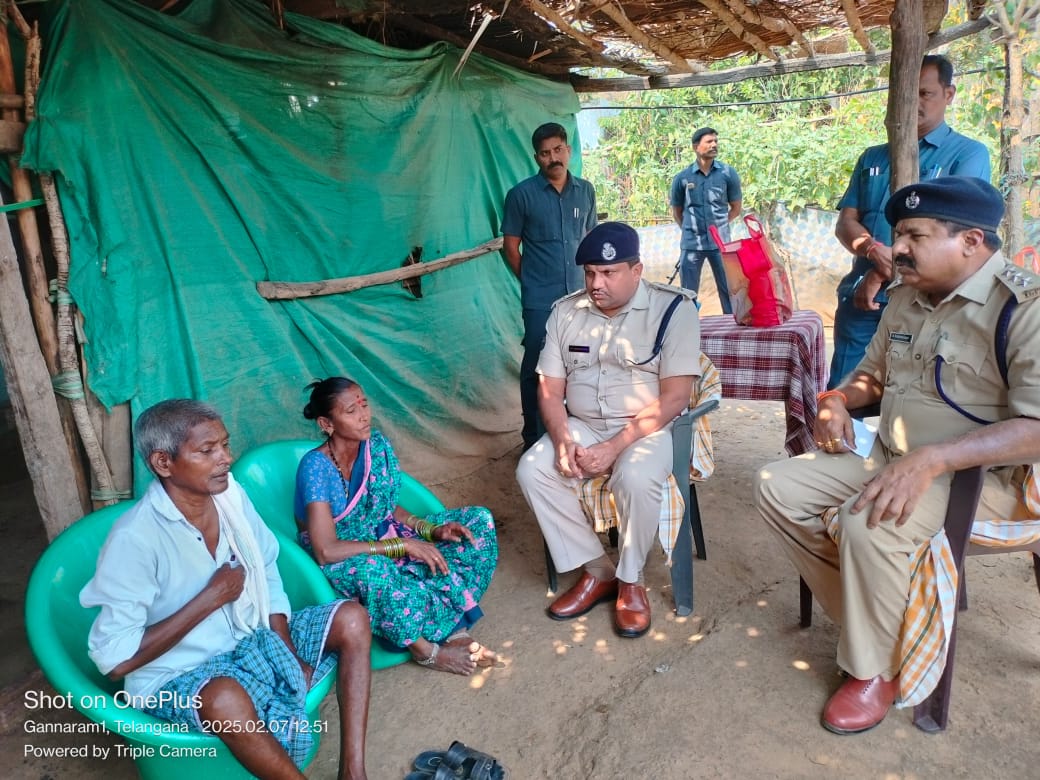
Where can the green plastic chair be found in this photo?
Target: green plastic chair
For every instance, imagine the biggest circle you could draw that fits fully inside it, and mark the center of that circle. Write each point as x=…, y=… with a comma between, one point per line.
x=268, y=475
x=58, y=626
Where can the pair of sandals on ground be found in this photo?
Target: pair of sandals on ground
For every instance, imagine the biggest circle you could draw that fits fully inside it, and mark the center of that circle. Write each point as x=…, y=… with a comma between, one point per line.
x=455, y=763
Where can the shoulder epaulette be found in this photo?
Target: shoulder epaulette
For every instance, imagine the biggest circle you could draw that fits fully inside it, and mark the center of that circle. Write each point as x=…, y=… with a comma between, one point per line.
x=1023, y=283
x=667, y=288
x=569, y=296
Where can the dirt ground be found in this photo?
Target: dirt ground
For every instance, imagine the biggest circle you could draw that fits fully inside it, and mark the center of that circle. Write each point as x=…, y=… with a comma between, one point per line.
x=734, y=691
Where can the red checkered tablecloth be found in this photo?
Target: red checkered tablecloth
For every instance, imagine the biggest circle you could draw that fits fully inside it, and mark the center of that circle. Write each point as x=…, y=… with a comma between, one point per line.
x=784, y=363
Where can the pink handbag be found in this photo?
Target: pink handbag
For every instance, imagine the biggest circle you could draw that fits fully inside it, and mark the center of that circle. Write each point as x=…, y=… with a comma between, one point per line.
x=758, y=285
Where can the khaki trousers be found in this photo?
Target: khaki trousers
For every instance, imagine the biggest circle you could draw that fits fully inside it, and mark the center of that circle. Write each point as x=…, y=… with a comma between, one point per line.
x=637, y=484
x=862, y=582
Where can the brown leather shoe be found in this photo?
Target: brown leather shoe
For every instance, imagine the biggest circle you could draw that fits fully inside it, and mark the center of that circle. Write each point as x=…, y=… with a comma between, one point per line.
x=859, y=705
x=632, y=611
x=586, y=593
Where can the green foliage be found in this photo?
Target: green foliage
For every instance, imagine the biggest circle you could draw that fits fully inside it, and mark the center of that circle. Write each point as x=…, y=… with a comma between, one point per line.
x=801, y=153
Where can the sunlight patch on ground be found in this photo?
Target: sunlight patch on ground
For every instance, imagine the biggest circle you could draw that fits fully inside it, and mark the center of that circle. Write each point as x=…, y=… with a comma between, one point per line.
x=752, y=632
x=695, y=638
x=741, y=664
x=802, y=666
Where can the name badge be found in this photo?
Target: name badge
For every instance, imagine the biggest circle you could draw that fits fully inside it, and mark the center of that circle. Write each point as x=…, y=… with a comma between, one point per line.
x=902, y=338
x=578, y=348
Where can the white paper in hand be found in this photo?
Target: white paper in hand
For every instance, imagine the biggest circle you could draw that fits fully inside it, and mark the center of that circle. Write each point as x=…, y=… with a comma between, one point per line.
x=865, y=433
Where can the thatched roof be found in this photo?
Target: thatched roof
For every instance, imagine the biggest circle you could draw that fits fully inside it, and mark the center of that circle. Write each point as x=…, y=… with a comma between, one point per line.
x=641, y=38
x=657, y=43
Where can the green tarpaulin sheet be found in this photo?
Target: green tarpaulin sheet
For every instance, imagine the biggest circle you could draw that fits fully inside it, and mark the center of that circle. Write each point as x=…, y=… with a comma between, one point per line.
x=200, y=153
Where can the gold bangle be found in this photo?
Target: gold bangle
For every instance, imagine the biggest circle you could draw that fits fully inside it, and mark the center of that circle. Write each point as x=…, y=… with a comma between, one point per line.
x=372, y=550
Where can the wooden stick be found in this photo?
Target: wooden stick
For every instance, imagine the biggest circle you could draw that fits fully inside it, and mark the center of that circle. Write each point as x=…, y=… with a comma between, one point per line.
x=856, y=26
x=753, y=16
x=652, y=45
x=32, y=400
x=36, y=275
x=564, y=25
x=68, y=360
x=740, y=31
x=285, y=291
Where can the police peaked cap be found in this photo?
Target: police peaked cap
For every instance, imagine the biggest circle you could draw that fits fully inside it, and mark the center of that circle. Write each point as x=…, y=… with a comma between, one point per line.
x=608, y=243
x=961, y=199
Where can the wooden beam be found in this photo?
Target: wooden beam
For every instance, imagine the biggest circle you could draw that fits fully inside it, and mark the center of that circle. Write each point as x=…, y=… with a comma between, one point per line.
x=564, y=25
x=640, y=38
x=530, y=22
x=284, y=291
x=908, y=42
x=762, y=70
x=856, y=26
x=728, y=18
x=32, y=399
x=752, y=16
x=439, y=33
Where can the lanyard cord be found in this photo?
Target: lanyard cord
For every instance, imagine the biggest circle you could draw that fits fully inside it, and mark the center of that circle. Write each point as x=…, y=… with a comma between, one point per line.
x=949, y=401
x=659, y=341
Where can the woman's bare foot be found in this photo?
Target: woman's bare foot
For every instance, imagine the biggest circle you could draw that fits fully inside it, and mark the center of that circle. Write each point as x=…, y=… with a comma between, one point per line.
x=485, y=657
x=454, y=658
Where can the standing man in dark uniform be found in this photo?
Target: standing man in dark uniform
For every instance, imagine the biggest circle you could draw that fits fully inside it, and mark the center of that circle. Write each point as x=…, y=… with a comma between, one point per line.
x=862, y=228
x=706, y=193
x=548, y=214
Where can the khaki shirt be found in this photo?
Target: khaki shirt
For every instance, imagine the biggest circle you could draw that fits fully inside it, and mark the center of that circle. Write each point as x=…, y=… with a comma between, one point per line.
x=913, y=334
x=599, y=356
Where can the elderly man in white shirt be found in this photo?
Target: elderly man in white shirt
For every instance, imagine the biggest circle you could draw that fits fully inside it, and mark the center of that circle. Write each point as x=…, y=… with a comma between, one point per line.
x=194, y=616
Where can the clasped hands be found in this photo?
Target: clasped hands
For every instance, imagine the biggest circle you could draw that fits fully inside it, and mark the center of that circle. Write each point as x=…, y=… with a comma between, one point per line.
x=573, y=460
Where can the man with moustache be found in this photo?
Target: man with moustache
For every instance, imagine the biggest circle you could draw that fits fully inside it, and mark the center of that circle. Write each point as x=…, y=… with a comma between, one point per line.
x=706, y=193
x=851, y=524
x=618, y=366
x=861, y=226
x=544, y=218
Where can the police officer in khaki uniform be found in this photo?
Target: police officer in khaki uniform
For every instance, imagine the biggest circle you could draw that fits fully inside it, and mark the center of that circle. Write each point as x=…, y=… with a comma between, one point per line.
x=611, y=382
x=934, y=365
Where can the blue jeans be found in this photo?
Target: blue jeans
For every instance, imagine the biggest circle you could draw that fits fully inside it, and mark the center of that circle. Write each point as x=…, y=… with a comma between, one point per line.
x=691, y=261
x=534, y=340
x=853, y=330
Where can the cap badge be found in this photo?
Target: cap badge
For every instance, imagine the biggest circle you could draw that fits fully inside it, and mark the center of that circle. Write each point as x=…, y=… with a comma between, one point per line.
x=608, y=253
x=912, y=201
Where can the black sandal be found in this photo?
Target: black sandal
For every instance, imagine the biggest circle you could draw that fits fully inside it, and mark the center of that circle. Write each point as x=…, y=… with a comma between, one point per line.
x=458, y=762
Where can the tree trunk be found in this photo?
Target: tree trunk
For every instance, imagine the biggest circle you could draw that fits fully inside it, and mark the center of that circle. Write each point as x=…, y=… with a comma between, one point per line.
x=908, y=40
x=1012, y=165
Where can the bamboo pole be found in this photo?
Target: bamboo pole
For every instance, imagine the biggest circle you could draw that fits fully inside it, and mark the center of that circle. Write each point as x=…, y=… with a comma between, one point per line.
x=69, y=376
x=32, y=260
x=284, y=291
x=36, y=275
